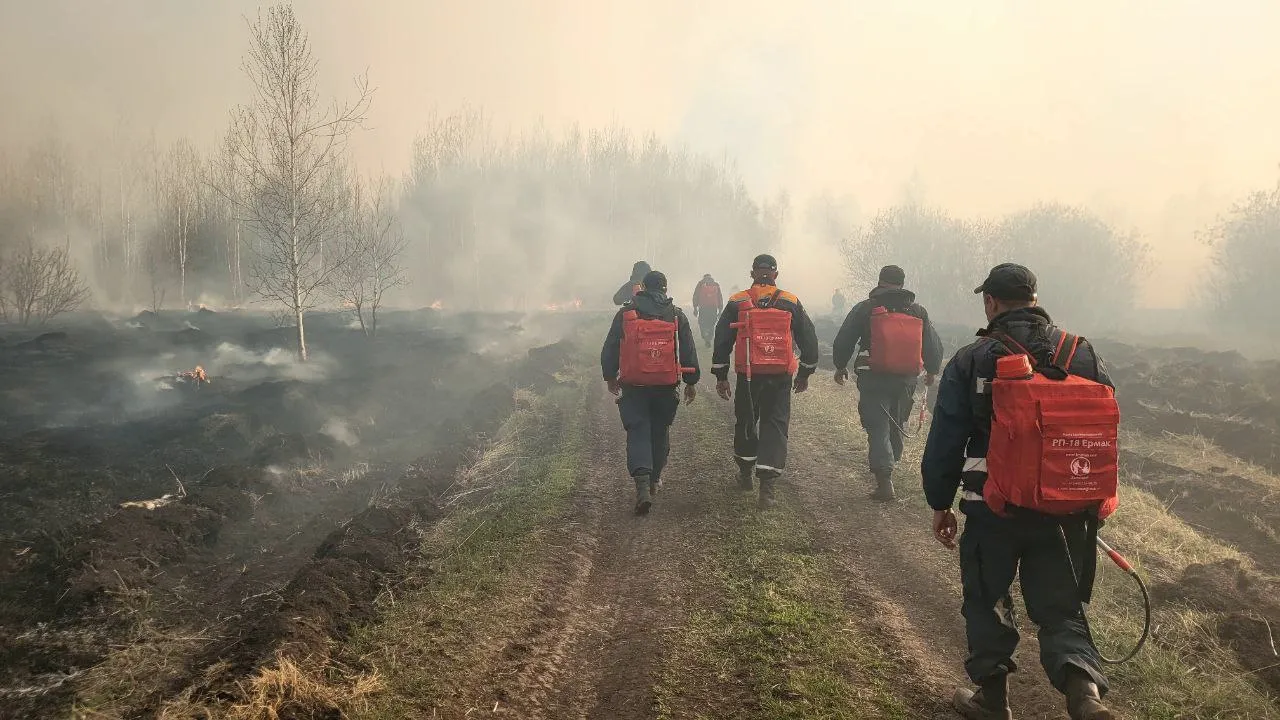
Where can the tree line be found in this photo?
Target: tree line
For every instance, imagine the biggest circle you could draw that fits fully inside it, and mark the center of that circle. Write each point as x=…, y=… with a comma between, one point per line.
x=1090, y=273
x=276, y=212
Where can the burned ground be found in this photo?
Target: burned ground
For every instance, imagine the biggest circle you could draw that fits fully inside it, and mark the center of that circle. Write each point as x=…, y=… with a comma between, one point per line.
x=266, y=501
x=213, y=550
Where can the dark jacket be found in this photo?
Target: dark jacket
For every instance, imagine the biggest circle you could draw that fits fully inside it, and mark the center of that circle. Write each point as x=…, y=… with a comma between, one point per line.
x=719, y=303
x=802, y=333
x=957, y=447
x=651, y=305
x=855, y=332
x=629, y=288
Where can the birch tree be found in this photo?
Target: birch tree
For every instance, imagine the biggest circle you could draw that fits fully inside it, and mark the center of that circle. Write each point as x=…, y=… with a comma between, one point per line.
x=373, y=244
x=287, y=146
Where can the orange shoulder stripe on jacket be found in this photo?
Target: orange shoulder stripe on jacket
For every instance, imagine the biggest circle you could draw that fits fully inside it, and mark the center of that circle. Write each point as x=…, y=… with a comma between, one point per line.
x=739, y=296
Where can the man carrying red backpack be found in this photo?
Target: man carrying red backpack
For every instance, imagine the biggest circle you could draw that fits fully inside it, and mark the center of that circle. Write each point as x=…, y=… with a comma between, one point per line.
x=895, y=342
x=707, y=303
x=1025, y=429
x=648, y=351
x=760, y=327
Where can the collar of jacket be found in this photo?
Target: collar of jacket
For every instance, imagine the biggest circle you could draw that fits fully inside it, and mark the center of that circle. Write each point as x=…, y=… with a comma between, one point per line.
x=1018, y=316
x=887, y=293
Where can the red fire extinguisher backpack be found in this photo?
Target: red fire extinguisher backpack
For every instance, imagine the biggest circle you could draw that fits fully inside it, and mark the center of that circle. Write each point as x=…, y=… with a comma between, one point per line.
x=1054, y=436
x=764, y=345
x=650, y=352
x=708, y=295
x=897, y=342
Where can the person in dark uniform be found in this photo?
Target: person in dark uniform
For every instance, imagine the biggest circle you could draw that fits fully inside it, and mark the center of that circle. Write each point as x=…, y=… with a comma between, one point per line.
x=632, y=287
x=763, y=405
x=884, y=398
x=648, y=411
x=1054, y=555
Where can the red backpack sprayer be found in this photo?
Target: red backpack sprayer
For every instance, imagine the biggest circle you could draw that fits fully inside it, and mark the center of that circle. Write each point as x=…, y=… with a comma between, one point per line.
x=1054, y=451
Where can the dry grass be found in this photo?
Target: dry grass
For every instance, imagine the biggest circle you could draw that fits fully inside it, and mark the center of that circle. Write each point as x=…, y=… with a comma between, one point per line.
x=1198, y=454
x=473, y=579
x=1144, y=529
x=288, y=690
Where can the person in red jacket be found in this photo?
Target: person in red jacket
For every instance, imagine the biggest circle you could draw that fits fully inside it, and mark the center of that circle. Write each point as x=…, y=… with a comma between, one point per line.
x=767, y=370
x=707, y=304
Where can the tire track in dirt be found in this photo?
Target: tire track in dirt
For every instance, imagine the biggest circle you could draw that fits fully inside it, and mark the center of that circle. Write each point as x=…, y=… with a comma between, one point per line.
x=607, y=603
x=890, y=561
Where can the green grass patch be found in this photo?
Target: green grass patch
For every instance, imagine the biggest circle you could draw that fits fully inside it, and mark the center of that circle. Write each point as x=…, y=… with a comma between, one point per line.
x=469, y=581
x=777, y=640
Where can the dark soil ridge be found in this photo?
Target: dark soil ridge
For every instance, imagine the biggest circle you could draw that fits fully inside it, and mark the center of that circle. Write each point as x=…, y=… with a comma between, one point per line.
x=338, y=588
x=1247, y=606
x=73, y=580
x=1231, y=508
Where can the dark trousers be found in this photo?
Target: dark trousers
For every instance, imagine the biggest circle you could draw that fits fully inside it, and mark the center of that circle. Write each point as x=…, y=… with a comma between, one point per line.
x=762, y=408
x=884, y=407
x=992, y=551
x=647, y=414
x=707, y=319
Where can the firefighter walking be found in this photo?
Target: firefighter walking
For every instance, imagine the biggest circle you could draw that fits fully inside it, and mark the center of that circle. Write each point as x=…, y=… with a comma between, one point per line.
x=760, y=327
x=648, y=351
x=1025, y=429
x=894, y=342
x=707, y=304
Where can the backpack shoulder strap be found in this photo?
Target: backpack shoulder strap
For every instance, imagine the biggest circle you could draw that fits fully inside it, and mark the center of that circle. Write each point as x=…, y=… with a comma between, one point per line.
x=1013, y=346
x=1065, y=350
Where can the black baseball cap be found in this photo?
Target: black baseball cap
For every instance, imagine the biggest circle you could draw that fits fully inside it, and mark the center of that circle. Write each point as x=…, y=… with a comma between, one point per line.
x=893, y=275
x=1009, y=281
x=764, y=261
x=654, y=280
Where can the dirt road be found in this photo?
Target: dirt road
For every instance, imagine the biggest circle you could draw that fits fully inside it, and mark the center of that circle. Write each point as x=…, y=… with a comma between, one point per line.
x=827, y=606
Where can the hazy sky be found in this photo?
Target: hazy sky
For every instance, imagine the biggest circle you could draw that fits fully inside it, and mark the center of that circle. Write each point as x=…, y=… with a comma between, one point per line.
x=1157, y=113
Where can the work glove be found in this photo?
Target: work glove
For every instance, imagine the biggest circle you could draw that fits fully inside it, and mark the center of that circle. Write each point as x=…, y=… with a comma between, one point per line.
x=944, y=528
x=724, y=389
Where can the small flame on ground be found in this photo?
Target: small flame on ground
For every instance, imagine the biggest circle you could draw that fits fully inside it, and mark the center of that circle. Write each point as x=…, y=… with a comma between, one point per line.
x=574, y=304
x=437, y=305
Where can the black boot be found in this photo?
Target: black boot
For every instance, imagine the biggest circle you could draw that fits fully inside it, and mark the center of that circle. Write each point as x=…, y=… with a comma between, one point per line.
x=989, y=702
x=1083, y=700
x=744, y=477
x=767, y=499
x=884, y=487
x=643, y=499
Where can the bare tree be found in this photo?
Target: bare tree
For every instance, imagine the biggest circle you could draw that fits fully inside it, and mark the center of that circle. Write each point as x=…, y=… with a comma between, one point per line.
x=287, y=150
x=37, y=284
x=373, y=244
x=941, y=254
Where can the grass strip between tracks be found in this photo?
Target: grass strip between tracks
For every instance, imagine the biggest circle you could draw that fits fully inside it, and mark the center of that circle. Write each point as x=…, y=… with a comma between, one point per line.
x=775, y=640
x=436, y=625
x=1185, y=672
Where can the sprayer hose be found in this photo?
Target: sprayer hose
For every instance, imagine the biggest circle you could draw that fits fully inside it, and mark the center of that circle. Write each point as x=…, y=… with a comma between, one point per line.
x=1146, y=624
